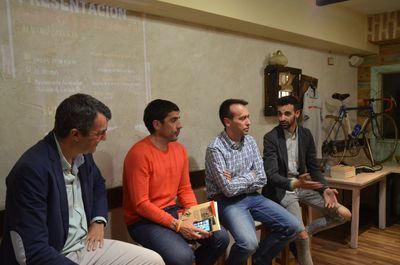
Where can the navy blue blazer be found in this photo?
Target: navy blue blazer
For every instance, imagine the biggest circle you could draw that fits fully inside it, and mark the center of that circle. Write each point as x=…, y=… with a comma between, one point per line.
x=37, y=207
x=276, y=161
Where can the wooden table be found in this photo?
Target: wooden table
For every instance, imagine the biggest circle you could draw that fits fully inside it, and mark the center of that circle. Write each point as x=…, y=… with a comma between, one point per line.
x=355, y=185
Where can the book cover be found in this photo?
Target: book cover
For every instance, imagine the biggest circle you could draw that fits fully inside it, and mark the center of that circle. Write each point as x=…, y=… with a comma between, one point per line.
x=204, y=215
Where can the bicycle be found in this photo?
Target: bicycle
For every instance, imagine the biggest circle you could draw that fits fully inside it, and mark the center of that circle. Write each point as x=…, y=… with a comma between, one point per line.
x=377, y=136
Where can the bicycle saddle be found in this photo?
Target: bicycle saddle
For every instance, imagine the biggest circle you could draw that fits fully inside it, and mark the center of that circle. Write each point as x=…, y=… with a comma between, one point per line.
x=340, y=97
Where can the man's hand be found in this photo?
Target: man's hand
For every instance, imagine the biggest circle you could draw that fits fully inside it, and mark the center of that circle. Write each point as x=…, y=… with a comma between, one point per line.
x=330, y=197
x=227, y=175
x=305, y=176
x=305, y=182
x=95, y=237
x=190, y=232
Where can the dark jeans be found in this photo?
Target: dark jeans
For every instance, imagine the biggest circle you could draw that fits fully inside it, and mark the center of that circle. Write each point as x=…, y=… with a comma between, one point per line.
x=238, y=215
x=173, y=248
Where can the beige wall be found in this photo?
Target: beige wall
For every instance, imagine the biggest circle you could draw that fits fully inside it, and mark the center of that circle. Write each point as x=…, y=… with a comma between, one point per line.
x=128, y=62
x=300, y=22
x=297, y=16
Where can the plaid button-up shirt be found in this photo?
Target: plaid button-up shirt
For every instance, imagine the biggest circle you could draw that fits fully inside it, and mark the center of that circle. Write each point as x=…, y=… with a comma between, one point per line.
x=242, y=161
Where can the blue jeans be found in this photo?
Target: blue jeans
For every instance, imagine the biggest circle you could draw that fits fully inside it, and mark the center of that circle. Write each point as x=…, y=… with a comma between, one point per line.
x=238, y=215
x=173, y=248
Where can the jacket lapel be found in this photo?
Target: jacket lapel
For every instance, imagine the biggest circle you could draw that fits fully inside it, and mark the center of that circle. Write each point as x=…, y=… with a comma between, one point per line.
x=59, y=177
x=282, y=147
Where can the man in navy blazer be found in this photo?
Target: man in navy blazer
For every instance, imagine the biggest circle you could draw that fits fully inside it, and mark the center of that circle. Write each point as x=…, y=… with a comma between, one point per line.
x=293, y=175
x=56, y=205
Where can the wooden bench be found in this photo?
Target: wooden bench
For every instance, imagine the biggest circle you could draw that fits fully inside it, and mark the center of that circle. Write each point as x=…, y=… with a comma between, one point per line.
x=197, y=178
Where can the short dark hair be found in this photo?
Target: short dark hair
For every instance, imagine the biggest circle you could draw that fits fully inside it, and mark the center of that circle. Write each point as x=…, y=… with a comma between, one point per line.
x=78, y=112
x=225, y=108
x=286, y=100
x=157, y=110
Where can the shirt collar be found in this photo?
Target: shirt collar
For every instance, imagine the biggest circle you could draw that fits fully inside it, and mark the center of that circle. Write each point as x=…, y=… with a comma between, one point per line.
x=78, y=161
x=232, y=144
x=289, y=135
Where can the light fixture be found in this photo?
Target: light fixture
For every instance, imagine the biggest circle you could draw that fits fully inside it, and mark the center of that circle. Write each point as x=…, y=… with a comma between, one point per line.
x=355, y=60
x=327, y=2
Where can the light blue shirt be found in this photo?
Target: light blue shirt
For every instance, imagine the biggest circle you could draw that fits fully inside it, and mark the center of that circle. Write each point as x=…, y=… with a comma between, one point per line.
x=242, y=160
x=78, y=228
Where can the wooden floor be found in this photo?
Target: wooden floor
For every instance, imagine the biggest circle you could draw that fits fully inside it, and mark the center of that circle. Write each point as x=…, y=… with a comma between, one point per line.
x=376, y=247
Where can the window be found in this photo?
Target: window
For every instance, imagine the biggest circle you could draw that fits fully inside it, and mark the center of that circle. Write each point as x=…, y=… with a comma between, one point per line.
x=391, y=88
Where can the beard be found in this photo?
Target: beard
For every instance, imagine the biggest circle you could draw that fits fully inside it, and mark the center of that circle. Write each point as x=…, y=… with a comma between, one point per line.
x=284, y=125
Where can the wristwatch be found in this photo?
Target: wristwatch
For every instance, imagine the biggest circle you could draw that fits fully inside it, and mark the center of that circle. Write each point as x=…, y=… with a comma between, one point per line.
x=100, y=222
x=323, y=188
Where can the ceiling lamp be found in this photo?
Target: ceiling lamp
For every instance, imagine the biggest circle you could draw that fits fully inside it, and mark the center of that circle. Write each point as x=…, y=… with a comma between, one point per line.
x=327, y=2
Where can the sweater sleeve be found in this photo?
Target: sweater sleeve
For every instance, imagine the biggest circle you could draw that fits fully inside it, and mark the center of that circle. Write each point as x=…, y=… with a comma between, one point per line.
x=185, y=192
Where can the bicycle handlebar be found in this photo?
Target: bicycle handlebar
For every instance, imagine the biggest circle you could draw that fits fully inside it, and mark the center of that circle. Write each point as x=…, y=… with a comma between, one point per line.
x=391, y=101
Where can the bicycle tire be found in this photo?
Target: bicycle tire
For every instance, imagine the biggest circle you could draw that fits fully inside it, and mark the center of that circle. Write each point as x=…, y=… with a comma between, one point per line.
x=335, y=144
x=383, y=143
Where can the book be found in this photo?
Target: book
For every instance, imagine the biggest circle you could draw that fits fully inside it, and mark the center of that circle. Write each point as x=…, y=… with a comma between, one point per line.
x=342, y=171
x=204, y=215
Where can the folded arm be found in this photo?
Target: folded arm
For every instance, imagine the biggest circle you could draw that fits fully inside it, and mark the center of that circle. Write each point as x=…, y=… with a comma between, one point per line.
x=236, y=184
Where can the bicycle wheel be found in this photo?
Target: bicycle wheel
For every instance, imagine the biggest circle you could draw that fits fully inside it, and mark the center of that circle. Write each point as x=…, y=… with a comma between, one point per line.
x=382, y=134
x=335, y=144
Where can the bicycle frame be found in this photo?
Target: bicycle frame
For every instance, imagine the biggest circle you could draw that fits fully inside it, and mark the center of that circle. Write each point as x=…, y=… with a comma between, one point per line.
x=343, y=111
x=342, y=116
x=337, y=143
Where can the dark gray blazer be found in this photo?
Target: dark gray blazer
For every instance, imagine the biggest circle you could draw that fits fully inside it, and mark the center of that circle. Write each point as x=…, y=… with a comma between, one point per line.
x=276, y=161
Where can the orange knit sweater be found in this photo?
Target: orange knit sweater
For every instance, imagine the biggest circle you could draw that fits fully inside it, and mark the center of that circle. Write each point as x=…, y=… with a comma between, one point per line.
x=153, y=179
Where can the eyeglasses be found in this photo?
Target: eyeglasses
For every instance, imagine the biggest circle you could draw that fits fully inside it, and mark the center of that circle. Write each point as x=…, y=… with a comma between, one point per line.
x=98, y=134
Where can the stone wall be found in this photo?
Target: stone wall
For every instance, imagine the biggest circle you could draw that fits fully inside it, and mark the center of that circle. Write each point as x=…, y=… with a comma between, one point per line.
x=384, y=27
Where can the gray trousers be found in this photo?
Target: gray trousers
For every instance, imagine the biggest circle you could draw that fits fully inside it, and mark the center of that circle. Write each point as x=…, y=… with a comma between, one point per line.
x=330, y=217
x=116, y=253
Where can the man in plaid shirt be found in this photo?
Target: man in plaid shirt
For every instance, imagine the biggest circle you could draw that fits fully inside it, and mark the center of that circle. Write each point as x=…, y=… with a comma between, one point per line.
x=234, y=174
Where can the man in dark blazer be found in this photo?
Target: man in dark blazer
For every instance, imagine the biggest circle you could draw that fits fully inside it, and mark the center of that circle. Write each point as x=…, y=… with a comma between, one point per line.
x=293, y=175
x=56, y=205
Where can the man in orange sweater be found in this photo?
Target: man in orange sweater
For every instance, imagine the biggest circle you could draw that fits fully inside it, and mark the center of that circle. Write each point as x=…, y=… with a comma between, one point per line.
x=156, y=173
